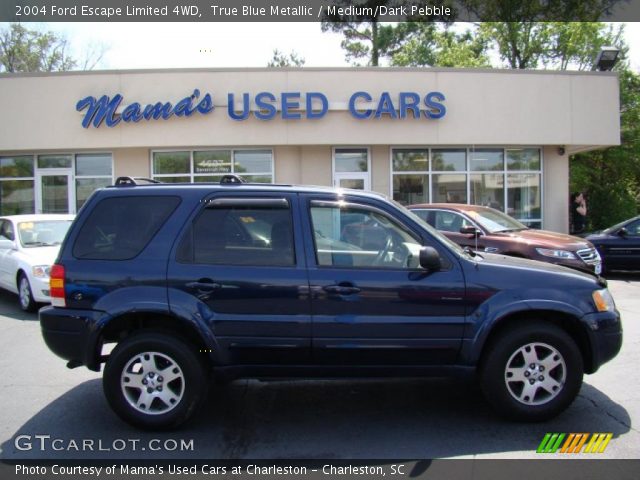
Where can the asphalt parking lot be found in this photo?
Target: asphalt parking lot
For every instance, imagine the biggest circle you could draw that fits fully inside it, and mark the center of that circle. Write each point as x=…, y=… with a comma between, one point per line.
x=48, y=411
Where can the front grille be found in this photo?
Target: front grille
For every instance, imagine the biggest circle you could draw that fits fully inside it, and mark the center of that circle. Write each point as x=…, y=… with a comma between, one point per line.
x=589, y=256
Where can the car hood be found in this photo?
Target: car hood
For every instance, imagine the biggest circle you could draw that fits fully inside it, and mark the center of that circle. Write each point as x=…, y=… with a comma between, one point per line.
x=547, y=239
x=41, y=255
x=524, y=263
x=592, y=237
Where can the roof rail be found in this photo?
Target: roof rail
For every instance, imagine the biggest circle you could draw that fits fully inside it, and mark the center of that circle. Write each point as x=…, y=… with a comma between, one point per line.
x=232, y=179
x=130, y=181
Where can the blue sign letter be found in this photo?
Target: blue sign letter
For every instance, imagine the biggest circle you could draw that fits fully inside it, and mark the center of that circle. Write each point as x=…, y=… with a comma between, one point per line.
x=352, y=105
x=245, y=107
x=100, y=110
x=311, y=113
x=266, y=111
x=435, y=108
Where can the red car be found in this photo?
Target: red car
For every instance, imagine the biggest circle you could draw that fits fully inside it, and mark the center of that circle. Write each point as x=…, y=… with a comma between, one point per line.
x=488, y=230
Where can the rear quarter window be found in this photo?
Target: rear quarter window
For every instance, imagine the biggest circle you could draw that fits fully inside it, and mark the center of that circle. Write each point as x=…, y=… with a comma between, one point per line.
x=120, y=228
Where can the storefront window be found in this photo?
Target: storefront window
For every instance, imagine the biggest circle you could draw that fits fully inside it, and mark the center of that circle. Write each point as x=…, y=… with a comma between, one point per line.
x=449, y=188
x=487, y=189
x=523, y=197
x=16, y=197
x=252, y=161
x=505, y=179
x=168, y=163
x=203, y=166
x=93, y=171
x=410, y=160
x=486, y=159
x=54, y=161
x=21, y=166
x=411, y=188
x=449, y=159
x=523, y=159
x=16, y=185
x=211, y=161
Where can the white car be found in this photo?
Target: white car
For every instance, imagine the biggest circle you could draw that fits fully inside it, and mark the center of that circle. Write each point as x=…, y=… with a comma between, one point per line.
x=29, y=245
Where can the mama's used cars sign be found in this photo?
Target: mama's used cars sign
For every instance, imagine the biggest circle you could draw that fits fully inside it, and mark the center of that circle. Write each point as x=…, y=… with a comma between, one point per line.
x=264, y=106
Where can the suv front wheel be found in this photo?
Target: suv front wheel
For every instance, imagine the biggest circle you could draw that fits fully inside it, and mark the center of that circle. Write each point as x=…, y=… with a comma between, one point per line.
x=532, y=372
x=154, y=381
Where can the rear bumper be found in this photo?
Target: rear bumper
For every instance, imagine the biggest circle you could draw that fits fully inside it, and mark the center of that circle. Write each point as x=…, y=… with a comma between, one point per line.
x=605, y=337
x=72, y=334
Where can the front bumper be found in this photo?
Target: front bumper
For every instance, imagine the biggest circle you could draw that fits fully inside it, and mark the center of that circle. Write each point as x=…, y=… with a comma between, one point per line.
x=40, y=289
x=72, y=335
x=605, y=337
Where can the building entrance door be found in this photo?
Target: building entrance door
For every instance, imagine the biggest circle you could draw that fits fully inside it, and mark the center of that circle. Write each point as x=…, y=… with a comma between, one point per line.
x=357, y=181
x=54, y=191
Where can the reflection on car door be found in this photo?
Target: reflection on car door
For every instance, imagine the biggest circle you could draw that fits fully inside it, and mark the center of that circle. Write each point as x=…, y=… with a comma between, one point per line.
x=371, y=302
x=239, y=267
x=450, y=223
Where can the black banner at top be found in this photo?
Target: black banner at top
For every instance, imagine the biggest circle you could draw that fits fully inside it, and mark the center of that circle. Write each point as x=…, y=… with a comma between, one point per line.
x=317, y=10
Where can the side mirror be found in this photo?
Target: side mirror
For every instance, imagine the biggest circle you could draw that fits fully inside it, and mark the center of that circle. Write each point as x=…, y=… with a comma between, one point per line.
x=623, y=232
x=6, y=244
x=470, y=230
x=430, y=259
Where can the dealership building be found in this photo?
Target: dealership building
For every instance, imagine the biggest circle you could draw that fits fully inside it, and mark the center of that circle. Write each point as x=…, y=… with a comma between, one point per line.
x=491, y=137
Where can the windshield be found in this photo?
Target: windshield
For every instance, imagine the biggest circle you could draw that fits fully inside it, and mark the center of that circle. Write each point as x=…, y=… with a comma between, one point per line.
x=449, y=243
x=494, y=221
x=42, y=233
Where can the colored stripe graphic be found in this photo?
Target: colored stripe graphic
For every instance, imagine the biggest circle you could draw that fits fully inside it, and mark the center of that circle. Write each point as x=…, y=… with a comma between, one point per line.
x=574, y=442
x=550, y=443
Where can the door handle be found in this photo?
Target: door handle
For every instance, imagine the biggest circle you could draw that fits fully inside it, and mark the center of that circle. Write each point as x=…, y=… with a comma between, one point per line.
x=204, y=285
x=341, y=289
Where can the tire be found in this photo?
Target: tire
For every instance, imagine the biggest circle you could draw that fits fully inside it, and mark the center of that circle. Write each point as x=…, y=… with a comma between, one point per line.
x=175, y=380
x=25, y=294
x=520, y=392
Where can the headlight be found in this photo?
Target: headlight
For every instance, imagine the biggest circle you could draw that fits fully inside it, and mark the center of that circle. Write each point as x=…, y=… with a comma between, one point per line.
x=41, y=271
x=563, y=254
x=603, y=300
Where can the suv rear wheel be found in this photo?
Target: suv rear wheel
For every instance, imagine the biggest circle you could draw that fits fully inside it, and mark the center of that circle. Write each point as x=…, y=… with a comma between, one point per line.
x=533, y=372
x=154, y=380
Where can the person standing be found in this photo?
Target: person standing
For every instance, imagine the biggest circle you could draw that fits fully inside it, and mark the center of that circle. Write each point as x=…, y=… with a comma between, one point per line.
x=578, y=212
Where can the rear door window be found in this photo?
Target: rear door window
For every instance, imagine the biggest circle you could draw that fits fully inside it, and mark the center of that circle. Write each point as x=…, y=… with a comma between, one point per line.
x=256, y=232
x=119, y=228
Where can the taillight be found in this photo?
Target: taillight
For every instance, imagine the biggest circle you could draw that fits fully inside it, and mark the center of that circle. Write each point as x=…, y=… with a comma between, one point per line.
x=56, y=286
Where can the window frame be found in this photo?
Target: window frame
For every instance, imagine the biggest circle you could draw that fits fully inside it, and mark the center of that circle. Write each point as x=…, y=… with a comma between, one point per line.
x=192, y=175
x=339, y=204
x=468, y=173
x=260, y=202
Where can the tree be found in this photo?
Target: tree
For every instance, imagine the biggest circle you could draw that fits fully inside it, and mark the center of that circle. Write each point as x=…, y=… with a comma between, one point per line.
x=365, y=37
x=611, y=177
x=557, y=45
x=280, y=59
x=24, y=50
x=443, y=48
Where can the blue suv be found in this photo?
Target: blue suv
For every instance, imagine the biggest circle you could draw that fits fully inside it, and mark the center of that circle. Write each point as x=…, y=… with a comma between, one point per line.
x=233, y=280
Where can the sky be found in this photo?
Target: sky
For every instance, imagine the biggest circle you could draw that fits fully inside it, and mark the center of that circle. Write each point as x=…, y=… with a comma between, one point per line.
x=211, y=45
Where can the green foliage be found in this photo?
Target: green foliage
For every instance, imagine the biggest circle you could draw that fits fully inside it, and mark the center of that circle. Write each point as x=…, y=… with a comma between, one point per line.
x=365, y=37
x=442, y=48
x=281, y=59
x=554, y=45
x=611, y=177
x=24, y=50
